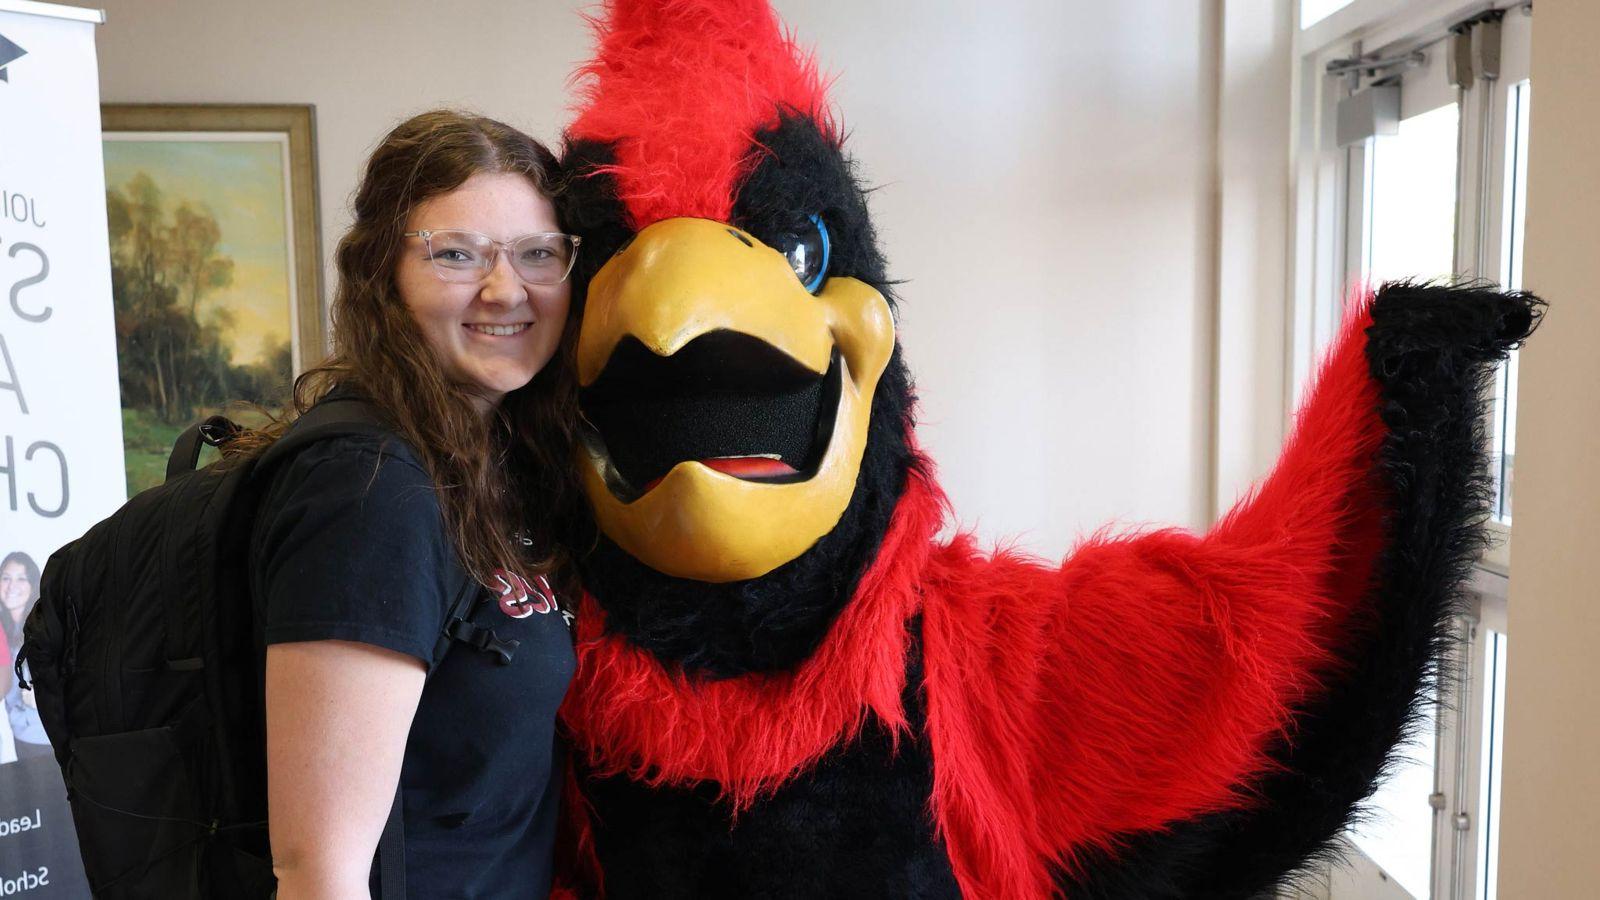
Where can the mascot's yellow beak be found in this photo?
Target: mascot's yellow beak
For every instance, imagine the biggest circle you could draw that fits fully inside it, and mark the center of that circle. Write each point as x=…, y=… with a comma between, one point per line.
x=755, y=344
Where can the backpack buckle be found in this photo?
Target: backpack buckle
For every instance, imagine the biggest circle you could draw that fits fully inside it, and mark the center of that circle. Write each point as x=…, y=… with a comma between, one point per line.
x=482, y=639
x=218, y=430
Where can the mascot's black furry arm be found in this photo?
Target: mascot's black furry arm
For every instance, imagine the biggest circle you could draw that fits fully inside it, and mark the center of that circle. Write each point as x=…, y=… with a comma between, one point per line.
x=786, y=688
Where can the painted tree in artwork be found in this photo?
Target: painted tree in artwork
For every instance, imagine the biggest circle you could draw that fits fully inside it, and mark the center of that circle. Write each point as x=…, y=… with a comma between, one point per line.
x=194, y=261
x=173, y=359
x=173, y=349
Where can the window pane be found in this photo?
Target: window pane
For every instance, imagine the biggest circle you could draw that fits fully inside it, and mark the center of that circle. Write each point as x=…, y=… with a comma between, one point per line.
x=1412, y=232
x=1516, y=206
x=1399, y=834
x=1492, y=752
x=1314, y=11
x=1411, y=207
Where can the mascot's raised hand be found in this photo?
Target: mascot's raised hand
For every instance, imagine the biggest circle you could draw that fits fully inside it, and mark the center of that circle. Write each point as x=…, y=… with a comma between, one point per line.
x=787, y=688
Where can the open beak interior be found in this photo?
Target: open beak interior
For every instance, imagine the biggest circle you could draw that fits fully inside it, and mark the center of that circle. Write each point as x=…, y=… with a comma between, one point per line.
x=727, y=400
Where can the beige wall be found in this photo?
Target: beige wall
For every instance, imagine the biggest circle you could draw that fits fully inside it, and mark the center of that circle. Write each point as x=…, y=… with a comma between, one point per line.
x=1047, y=173
x=1253, y=240
x=1551, y=829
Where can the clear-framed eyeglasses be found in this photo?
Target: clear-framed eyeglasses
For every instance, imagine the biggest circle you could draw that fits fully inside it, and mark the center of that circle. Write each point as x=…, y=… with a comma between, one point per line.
x=463, y=257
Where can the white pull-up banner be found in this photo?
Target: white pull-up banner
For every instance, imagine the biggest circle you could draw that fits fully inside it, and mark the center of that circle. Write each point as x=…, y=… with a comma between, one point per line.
x=61, y=466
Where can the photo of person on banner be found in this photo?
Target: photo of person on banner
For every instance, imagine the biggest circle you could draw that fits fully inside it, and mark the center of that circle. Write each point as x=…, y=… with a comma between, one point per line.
x=19, y=591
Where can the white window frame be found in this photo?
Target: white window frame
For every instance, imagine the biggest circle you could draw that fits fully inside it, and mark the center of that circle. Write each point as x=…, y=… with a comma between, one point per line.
x=1327, y=220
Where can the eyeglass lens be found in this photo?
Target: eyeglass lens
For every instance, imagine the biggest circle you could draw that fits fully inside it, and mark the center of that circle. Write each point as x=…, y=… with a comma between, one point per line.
x=463, y=256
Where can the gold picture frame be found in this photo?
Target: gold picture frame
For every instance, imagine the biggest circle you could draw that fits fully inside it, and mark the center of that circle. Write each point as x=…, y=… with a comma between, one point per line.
x=216, y=262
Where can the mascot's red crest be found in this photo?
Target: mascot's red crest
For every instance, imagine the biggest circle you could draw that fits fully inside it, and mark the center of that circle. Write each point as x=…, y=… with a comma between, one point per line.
x=680, y=88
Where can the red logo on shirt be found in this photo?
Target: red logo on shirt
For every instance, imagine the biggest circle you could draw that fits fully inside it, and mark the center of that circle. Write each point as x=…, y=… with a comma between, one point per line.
x=519, y=599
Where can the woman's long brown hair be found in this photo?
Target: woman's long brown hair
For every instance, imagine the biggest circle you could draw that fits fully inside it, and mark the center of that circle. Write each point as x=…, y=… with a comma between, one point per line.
x=512, y=476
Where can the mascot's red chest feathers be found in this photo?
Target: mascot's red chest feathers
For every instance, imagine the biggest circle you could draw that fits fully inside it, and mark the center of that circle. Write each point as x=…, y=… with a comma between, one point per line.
x=750, y=734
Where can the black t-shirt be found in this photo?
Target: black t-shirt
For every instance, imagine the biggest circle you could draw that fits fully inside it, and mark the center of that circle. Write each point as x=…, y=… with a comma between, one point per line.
x=350, y=545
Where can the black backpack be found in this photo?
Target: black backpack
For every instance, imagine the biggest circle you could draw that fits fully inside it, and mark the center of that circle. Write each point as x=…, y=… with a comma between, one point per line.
x=145, y=653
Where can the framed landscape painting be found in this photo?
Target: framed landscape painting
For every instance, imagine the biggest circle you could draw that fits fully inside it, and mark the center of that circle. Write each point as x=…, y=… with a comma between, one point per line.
x=215, y=265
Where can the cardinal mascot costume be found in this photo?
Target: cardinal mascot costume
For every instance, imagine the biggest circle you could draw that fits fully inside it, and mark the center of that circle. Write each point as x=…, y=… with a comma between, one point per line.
x=788, y=686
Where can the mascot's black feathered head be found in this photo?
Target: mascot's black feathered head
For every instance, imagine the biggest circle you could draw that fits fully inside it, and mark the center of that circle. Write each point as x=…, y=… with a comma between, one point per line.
x=745, y=407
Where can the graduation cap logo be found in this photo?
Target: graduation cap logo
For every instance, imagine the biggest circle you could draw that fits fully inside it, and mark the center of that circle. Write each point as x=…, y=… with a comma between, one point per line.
x=9, y=53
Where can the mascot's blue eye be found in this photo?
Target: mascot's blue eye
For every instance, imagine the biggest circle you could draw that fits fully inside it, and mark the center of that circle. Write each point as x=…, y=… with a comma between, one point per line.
x=808, y=254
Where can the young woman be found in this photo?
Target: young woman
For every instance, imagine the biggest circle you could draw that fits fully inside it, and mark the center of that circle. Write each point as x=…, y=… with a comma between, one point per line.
x=19, y=591
x=451, y=319
x=19, y=588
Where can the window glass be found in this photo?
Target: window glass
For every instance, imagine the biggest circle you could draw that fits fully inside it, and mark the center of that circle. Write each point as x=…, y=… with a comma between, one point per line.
x=1505, y=450
x=1314, y=11
x=1516, y=207
x=1492, y=754
x=1411, y=209
x=1412, y=199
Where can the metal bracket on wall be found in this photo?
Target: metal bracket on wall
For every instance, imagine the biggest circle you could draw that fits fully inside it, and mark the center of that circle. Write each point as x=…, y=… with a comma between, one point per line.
x=1368, y=112
x=1486, y=45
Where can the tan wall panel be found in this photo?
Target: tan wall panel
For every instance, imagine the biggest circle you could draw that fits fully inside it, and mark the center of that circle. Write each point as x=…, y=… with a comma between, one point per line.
x=1551, y=828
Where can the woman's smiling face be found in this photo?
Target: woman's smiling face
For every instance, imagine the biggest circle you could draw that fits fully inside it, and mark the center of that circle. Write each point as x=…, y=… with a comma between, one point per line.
x=492, y=335
x=15, y=588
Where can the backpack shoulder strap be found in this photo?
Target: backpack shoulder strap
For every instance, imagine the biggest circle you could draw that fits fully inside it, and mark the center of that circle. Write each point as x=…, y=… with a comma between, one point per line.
x=460, y=611
x=391, y=861
x=335, y=416
x=214, y=431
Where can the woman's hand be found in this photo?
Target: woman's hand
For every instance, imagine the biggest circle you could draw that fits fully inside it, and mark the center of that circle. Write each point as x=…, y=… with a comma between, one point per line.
x=338, y=713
